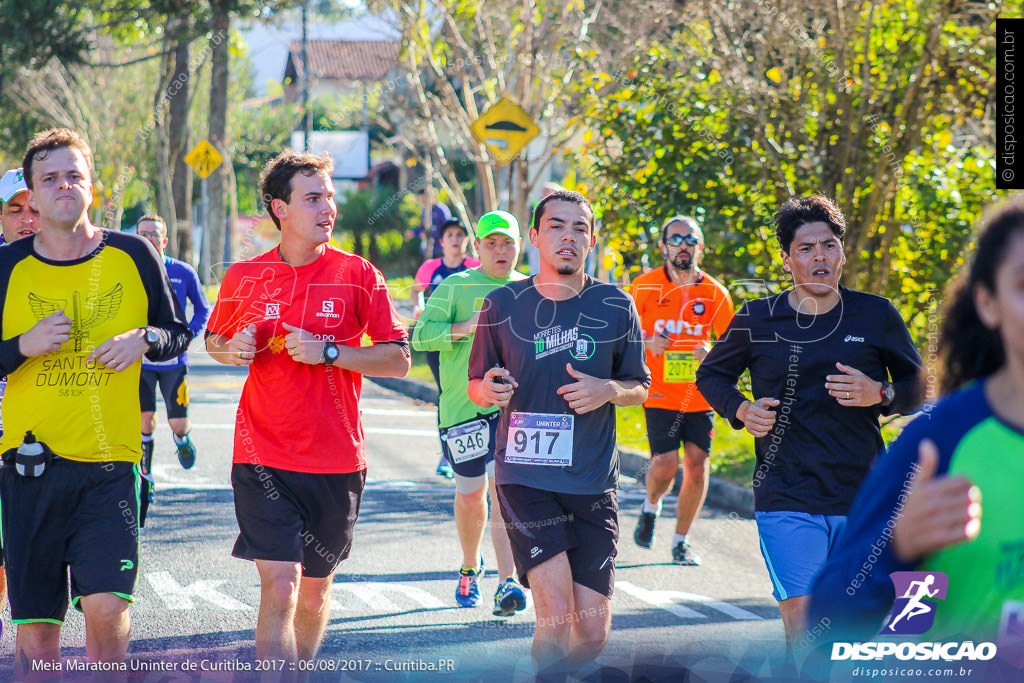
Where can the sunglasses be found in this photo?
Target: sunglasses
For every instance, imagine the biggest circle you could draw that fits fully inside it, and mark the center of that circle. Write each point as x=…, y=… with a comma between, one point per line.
x=678, y=240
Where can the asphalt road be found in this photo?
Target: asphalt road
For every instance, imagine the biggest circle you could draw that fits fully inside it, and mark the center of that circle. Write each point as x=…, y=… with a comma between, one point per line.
x=393, y=610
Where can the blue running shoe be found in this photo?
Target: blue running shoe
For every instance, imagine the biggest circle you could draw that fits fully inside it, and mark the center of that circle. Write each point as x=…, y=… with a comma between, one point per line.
x=444, y=468
x=467, y=593
x=186, y=453
x=509, y=598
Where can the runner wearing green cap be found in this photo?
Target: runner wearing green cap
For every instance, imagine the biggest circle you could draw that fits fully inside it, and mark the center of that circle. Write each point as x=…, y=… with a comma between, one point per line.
x=447, y=325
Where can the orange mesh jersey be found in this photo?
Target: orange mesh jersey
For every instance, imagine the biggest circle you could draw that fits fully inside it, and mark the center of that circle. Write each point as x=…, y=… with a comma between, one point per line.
x=689, y=315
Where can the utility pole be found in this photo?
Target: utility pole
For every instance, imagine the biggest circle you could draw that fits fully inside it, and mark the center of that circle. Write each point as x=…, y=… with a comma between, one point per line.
x=307, y=115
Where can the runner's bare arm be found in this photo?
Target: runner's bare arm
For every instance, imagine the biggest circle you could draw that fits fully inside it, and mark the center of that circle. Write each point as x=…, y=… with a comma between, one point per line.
x=487, y=391
x=239, y=349
x=383, y=359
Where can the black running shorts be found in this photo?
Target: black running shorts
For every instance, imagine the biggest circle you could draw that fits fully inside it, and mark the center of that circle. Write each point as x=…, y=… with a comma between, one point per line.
x=173, y=386
x=542, y=524
x=78, y=515
x=295, y=516
x=475, y=467
x=668, y=430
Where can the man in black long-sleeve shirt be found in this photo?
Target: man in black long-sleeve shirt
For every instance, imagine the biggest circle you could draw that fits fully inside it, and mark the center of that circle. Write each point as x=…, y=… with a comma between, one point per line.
x=825, y=362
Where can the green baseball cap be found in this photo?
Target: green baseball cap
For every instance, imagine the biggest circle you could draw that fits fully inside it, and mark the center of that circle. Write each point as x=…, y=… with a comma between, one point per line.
x=501, y=222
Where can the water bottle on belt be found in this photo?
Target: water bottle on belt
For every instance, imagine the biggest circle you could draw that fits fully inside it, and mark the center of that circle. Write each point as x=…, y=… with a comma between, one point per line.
x=31, y=458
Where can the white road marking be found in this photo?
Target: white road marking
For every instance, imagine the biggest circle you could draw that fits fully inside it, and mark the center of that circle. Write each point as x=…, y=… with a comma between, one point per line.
x=391, y=431
x=398, y=431
x=666, y=601
x=371, y=594
x=398, y=412
x=178, y=597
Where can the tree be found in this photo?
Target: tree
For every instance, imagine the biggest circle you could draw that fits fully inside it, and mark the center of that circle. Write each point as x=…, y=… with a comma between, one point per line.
x=459, y=58
x=751, y=103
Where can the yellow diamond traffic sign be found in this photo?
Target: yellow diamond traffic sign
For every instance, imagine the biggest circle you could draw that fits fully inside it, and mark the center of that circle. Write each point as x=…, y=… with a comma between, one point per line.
x=204, y=159
x=504, y=130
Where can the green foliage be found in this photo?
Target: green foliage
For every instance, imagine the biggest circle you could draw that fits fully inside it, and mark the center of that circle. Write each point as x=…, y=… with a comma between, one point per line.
x=746, y=107
x=34, y=32
x=376, y=220
x=260, y=133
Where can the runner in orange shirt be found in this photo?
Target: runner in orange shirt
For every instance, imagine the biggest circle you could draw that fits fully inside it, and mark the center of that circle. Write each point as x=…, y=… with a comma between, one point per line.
x=680, y=308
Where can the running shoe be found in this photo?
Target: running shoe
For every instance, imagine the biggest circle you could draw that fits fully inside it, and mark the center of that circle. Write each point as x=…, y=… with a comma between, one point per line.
x=683, y=554
x=644, y=533
x=467, y=593
x=509, y=598
x=444, y=469
x=187, y=453
x=146, y=464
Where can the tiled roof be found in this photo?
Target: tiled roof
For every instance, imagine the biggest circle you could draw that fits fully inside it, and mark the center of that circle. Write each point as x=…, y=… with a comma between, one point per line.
x=350, y=60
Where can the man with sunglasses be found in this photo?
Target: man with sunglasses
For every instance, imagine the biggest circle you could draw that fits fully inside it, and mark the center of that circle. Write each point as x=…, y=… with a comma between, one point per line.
x=170, y=375
x=680, y=308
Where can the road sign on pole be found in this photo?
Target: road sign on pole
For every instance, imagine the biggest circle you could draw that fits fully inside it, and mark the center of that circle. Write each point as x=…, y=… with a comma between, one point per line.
x=504, y=130
x=204, y=159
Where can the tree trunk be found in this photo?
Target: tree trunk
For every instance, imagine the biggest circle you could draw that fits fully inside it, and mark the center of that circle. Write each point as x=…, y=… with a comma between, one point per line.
x=162, y=143
x=180, y=136
x=232, y=225
x=218, y=133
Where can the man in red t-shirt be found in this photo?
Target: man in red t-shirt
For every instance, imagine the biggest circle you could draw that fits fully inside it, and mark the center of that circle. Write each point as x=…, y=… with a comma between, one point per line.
x=296, y=316
x=680, y=307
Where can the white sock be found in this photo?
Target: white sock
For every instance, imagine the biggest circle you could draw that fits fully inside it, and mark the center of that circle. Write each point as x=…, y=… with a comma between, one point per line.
x=677, y=539
x=178, y=440
x=653, y=508
x=146, y=438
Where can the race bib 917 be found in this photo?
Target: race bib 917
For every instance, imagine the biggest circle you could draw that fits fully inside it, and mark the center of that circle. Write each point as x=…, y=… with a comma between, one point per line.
x=540, y=439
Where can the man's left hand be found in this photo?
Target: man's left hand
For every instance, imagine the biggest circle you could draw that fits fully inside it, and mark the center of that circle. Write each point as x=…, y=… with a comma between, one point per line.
x=853, y=388
x=302, y=346
x=586, y=393
x=121, y=351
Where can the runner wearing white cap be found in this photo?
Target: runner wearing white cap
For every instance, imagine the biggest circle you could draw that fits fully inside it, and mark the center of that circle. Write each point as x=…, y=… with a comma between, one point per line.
x=17, y=217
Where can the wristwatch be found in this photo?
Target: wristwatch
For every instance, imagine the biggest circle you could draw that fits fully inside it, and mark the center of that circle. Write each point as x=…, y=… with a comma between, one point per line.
x=888, y=394
x=330, y=353
x=150, y=336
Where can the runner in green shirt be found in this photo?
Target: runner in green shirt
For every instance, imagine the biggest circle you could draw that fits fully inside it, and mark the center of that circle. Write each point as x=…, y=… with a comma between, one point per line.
x=468, y=432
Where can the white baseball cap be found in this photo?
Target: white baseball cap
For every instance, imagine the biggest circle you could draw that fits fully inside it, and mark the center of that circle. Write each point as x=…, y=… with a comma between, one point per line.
x=12, y=184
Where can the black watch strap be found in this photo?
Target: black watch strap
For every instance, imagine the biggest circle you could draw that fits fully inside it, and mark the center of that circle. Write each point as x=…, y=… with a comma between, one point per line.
x=330, y=353
x=888, y=394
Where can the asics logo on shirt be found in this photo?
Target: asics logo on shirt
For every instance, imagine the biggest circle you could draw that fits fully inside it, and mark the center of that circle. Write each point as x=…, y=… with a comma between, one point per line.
x=851, y=338
x=535, y=551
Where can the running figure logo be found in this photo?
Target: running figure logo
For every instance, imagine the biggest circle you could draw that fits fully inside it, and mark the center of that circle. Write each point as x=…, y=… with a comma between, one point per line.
x=914, y=609
x=93, y=310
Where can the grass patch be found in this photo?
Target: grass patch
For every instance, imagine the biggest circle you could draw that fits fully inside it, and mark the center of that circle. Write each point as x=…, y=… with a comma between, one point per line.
x=732, y=451
x=419, y=369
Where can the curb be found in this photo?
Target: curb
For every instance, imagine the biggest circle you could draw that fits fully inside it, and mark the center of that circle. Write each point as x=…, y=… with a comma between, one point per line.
x=722, y=494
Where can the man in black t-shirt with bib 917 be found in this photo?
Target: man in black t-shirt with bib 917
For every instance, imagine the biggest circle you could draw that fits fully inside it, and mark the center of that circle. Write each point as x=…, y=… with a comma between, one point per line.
x=557, y=352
